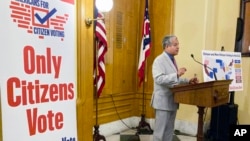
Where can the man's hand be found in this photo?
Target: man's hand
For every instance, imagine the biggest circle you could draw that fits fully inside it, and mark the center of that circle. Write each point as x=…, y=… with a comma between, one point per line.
x=181, y=71
x=193, y=80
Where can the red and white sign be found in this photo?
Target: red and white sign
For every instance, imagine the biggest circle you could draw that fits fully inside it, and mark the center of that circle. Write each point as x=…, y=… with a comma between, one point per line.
x=38, y=70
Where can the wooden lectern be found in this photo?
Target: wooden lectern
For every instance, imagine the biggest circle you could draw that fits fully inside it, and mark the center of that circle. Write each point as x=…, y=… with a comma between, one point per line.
x=206, y=94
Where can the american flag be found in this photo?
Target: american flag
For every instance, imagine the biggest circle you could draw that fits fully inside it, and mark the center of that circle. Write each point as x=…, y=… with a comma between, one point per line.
x=145, y=45
x=101, y=49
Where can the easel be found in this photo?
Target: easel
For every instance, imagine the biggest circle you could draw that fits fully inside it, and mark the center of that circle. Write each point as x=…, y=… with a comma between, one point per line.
x=229, y=109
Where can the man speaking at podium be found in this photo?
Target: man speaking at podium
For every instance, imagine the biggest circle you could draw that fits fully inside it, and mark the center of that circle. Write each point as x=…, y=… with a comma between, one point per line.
x=166, y=74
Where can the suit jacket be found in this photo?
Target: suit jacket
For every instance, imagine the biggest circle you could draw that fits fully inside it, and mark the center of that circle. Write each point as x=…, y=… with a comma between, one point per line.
x=165, y=77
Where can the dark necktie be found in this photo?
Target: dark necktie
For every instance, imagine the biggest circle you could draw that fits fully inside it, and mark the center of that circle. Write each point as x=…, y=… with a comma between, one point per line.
x=174, y=62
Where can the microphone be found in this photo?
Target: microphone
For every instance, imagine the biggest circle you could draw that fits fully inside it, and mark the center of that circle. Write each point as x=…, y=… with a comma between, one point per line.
x=205, y=66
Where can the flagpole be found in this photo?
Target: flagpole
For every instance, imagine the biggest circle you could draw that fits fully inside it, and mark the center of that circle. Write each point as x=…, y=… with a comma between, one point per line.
x=96, y=136
x=144, y=127
x=100, y=48
x=143, y=88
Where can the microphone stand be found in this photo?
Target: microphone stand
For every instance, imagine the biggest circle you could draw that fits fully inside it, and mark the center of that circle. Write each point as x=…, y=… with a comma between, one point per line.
x=215, y=77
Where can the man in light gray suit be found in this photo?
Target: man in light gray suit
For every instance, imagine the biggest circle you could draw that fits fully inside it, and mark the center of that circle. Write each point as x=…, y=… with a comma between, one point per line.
x=166, y=74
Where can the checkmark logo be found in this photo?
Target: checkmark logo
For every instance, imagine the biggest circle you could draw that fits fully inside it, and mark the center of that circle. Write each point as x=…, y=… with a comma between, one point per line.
x=46, y=17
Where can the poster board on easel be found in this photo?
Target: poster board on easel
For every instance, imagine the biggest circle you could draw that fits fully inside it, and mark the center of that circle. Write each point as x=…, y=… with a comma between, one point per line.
x=226, y=65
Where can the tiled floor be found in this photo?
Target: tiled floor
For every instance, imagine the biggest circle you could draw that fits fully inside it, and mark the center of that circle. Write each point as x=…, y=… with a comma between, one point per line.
x=144, y=137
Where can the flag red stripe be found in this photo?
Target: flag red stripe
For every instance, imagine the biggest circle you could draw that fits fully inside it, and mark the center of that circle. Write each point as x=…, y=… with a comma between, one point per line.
x=100, y=33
